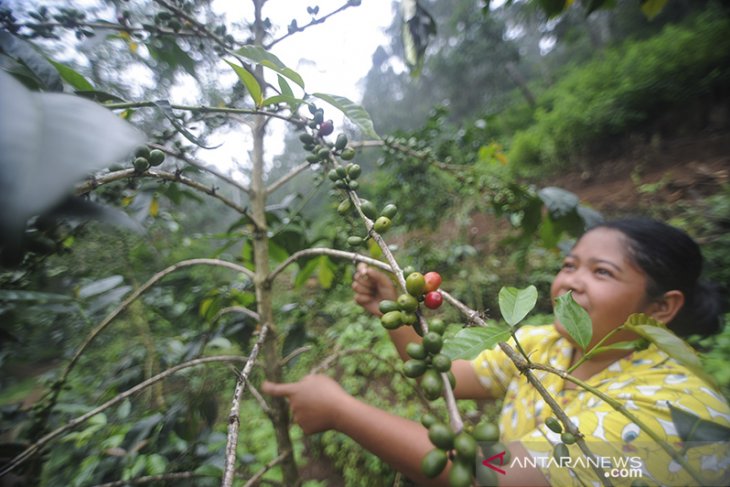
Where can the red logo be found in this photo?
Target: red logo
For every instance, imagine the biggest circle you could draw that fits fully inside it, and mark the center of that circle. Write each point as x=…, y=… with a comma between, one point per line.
x=488, y=462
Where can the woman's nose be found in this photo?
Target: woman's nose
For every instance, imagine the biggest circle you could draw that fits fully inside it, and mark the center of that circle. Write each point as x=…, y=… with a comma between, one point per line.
x=574, y=281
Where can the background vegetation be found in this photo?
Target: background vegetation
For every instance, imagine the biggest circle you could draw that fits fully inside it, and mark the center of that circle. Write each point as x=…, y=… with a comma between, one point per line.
x=505, y=100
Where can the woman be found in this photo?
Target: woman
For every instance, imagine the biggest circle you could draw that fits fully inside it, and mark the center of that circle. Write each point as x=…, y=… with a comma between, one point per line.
x=616, y=269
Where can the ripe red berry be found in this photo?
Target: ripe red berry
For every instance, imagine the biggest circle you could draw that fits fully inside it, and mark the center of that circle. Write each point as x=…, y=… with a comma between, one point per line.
x=433, y=281
x=433, y=299
x=326, y=128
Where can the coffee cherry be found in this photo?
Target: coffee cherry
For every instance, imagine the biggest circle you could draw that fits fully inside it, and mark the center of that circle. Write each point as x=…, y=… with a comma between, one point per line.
x=306, y=138
x=432, y=384
x=554, y=425
x=486, y=432
x=341, y=142
x=433, y=300
x=386, y=306
x=382, y=224
x=441, y=363
x=347, y=154
x=437, y=326
x=326, y=128
x=409, y=318
x=441, y=436
x=434, y=463
x=391, y=320
x=460, y=474
x=465, y=446
x=560, y=451
x=415, y=284
x=353, y=185
x=341, y=172
x=414, y=368
x=428, y=420
x=353, y=171
x=344, y=207
x=313, y=158
x=142, y=151
x=389, y=211
x=432, y=342
x=156, y=157
x=567, y=437
x=354, y=241
x=318, y=117
x=141, y=164
x=333, y=175
x=433, y=281
x=368, y=209
x=415, y=350
x=407, y=303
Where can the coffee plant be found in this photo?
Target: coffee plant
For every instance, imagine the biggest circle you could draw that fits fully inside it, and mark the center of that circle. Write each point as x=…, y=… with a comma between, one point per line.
x=105, y=163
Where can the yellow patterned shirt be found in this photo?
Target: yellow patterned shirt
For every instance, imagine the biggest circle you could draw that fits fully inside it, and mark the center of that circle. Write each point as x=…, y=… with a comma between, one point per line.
x=645, y=382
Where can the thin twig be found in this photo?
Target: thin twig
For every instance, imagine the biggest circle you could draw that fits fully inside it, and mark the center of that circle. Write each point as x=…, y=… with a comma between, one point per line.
x=252, y=481
x=313, y=22
x=35, y=447
x=234, y=420
x=287, y=177
x=96, y=181
x=339, y=254
x=194, y=23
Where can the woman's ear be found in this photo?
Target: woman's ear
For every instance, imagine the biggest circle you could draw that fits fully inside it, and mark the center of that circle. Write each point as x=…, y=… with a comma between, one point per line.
x=666, y=307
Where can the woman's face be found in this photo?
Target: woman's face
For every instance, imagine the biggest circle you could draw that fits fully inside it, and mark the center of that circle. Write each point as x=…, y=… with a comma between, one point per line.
x=604, y=281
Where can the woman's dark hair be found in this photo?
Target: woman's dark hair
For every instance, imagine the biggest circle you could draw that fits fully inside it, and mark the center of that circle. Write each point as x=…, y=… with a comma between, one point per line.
x=672, y=260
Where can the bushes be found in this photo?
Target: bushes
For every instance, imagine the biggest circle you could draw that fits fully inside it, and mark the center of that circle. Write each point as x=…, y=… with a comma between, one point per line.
x=626, y=86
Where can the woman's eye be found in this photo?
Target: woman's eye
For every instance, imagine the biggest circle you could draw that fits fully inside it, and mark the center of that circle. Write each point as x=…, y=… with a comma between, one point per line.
x=567, y=265
x=604, y=272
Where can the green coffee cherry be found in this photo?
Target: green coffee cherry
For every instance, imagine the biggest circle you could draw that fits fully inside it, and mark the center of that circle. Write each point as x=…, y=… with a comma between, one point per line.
x=341, y=172
x=465, y=446
x=441, y=362
x=432, y=385
x=434, y=463
x=414, y=368
x=341, y=142
x=347, y=154
x=407, y=303
x=389, y=211
x=560, y=451
x=344, y=207
x=382, y=224
x=386, y=306
x=554, y=425
x=409, y=318
x=415, y=284
x=332, y=174
x=368, y=209
x=461, y=474
x=142, y=151
x=437, y=326
x=141, y=164
x=486, y=432
x=156, y=157
x=354, y=241
x=391, y=320
x=428, y=420
x=306, y=138
x=567, y=437
x=353, y=171
x=441, y=436
x=415, y=350
x=432, y=342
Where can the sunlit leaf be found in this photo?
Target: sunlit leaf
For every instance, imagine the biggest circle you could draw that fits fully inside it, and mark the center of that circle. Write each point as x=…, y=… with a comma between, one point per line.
x=24, y=52
x=416, y=32
x=292, y=101
x=325, y=272
x=469, y=342
x=575, y=319
x=652, y=8
x=669, y=343
x=269, y=60
x=515, y=304
x=353, y=111
x=250, y=82
x=72, y=77
x=100, y=286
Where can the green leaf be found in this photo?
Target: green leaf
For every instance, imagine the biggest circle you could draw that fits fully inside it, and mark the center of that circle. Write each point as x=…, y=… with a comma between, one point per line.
x=515, y=304
x=156, y=464
x=267, y=59
x=166, y=109
x=575, y=319
x=166, y=50
x=325, y=272
x=470, y=342
x=667, y=342
x=353, y=111
x=305, y=271
x=652, y=8
x=72, y=77
x=292, y=101
x=691, y=427
x=416, y=32
x=250, y=82
x=10, y=295
x=25, y=53
x=101, y=286
x=629, y=345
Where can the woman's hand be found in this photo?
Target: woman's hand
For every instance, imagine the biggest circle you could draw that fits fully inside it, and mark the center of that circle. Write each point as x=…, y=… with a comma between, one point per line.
x=315, y=401
x=371, y=287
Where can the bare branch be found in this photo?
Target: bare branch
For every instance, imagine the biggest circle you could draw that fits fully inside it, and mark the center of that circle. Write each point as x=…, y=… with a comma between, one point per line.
x=233, y=417
x=35, y=447
x=339, y=254
x=287, y=177
x=96, y=181
x=252, y=481
x=235, y=309
x=313, y=22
